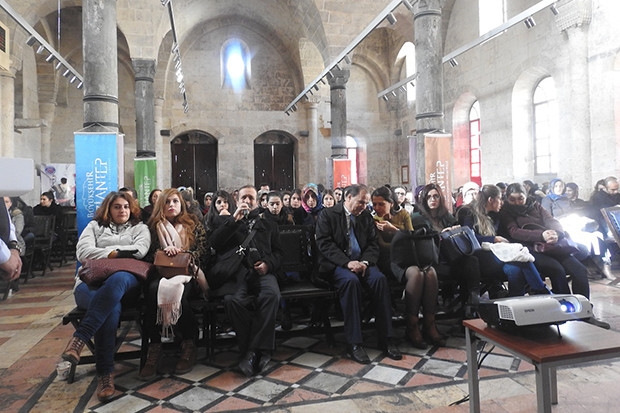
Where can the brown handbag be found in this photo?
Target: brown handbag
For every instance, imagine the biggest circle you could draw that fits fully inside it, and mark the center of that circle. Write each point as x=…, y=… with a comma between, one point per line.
x=180, y=264
x=94, y=271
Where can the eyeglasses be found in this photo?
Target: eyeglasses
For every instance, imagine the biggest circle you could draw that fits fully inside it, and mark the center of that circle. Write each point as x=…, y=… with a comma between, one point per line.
x=432, y=196
x=400, y=193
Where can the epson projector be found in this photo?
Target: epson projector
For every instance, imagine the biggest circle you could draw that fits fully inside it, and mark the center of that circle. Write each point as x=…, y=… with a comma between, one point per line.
x=535, y=310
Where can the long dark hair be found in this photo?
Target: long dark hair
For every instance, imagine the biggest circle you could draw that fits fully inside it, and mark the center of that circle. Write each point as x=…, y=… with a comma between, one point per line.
x=482, y=221
x=423, y=204
x=213, y=213
x=385, y=193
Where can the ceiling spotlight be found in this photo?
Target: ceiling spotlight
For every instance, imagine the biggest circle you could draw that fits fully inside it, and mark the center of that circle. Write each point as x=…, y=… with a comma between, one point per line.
x=73, y=79
x=393, y=93
x=58, y=65
x=413, y=84
x=288, y=113
x=347, y=59
x=323, y=81
x=79, y=86
x=294, y=108
x=385, y=97
x=529, y=22
x=316, y=87
x=554, y=10
x=391, y=18
x=49, y=58
x=67, y=72
x=41, y=49
x=408, y=5
x=31, y=40
x=403, y=88
x=453, y=62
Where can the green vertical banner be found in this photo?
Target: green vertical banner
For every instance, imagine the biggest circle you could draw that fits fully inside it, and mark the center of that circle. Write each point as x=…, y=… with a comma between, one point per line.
x=145, y=177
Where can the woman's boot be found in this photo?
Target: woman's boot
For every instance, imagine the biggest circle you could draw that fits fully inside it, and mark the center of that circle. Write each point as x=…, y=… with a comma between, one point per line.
x=413, y=334
x=186, y=362
x=73, y=350
x=431, y=332
x=149, y=370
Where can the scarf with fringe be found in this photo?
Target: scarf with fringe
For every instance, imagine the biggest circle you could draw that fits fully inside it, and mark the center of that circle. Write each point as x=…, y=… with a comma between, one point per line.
x=170, y=290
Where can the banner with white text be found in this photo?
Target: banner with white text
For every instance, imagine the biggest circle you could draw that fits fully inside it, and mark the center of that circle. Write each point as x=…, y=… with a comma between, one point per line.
x=98, y=156
x=438, y=161
x=145, y=178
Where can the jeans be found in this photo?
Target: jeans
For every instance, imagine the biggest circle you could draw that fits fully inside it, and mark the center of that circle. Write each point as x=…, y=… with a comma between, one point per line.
x=103, y=311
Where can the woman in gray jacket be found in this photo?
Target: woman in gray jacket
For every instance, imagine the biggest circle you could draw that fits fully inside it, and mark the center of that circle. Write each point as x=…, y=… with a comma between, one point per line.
x=116, y=231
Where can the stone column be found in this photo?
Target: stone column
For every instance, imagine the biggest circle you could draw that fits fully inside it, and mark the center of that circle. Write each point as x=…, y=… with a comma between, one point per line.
x=100, y=65
x=338, y=95
x=7, y=114
x=164, y=157
x=314, y=164
x=47, y=111
x=574, y=19
x=429, y=90
x=144, y=70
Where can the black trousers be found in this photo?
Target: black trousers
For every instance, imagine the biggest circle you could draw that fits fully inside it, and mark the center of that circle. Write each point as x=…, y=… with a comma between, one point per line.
x=252, y=309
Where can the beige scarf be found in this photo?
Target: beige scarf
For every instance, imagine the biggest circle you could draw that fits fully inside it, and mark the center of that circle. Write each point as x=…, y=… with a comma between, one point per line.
x=170, y=290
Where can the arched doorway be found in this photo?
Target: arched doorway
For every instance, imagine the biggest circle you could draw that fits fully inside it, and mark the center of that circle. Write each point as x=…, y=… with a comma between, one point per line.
x=274, y=160
x=194, y=162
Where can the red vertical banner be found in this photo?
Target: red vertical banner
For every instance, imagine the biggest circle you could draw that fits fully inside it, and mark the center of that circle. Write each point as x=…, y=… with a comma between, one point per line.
x=342, y=172
x=438, y=157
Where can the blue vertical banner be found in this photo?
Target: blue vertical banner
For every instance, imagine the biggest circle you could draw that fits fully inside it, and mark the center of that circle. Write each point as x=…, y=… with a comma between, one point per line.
x=98, y=156
x=145, y=178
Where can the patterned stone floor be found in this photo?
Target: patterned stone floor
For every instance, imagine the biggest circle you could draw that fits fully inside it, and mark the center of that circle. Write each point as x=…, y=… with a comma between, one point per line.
x=305, y=374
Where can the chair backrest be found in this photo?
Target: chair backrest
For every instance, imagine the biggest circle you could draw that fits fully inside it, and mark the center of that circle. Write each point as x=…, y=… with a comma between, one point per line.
x=612, y=218
x=296, y=241
x=44, y=228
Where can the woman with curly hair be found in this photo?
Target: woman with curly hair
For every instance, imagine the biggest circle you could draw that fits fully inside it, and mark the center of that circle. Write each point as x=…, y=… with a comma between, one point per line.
x=174, y=230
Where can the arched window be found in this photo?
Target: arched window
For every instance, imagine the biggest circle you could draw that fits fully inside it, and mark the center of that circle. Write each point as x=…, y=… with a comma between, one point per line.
x=408, y=52
x=475, y=170
x=352, y=155
x=491, y=13
x=545, y=127
x=236, y=65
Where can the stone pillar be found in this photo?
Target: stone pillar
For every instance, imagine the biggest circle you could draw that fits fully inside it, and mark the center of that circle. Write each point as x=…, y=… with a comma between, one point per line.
x=338, y=95
x=47, y=111
x=163, y=158
x=100, y=65
x=429, y=90
x=314, y=164
x=574, y=19
x=144, y=70
x=7, y=114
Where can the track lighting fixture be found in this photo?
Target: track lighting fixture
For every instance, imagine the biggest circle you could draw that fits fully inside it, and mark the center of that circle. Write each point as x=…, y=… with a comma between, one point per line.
x=554, y=10
x=391, y=18
x=67, y=72
x=31, y=41
x=529, y=22
x=385, y=98
x=408, y=5
x=73, y=79
x=41, y=49
x=49, y=58
x=58, y=65
x=453, y=62
x=79, y=86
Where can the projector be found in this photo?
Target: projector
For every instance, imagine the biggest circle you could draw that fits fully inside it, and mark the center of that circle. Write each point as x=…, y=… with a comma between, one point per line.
x=535, y=310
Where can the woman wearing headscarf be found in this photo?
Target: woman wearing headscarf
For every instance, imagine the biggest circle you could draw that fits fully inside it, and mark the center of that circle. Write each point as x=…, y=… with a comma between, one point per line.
x=311, y=202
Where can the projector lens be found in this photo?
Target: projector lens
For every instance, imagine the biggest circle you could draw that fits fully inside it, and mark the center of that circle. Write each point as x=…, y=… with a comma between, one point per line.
x=567, y=306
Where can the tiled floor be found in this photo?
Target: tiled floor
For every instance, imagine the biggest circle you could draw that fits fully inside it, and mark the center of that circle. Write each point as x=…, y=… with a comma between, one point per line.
x=305, y=375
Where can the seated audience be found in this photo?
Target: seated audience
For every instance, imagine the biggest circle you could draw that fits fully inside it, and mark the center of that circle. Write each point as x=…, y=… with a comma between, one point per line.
x=207, y=200
x=481, y=215
x=348, y=247
x=400, y=198
x=220, y=207
x=252, y=298
x=116, y=231
x=192, y=206
x=524, y=220
x=168, y=310
x=421, y=285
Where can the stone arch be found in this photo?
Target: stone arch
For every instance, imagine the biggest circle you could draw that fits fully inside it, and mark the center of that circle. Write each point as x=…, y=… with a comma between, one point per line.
x=522, y=138
x=460, y=137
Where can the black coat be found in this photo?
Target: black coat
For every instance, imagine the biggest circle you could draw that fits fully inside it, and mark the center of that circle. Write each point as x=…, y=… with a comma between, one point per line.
x=332, y=238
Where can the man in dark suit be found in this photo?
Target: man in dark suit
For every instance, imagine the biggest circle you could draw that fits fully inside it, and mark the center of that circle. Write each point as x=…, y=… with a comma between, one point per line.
x=252, y=299
x=347, y=242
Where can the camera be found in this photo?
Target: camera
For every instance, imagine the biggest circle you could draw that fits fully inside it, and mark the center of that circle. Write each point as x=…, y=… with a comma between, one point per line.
x=252, y=257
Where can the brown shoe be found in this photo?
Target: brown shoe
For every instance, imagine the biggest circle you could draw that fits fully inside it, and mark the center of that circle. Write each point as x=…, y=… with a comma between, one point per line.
x=188, y=357
x=105, y=387
x=73, y=350
x=149, y=370
x=430, y=331
x=413, y=333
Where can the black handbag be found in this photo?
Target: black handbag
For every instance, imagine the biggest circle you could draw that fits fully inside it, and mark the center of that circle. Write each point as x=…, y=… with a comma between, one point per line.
x=228, y=265
x=419, y=247
x=457, y=243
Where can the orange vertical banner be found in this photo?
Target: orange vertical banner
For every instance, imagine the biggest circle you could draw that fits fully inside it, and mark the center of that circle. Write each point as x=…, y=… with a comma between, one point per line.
x=342, y=173
x=438, y=155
